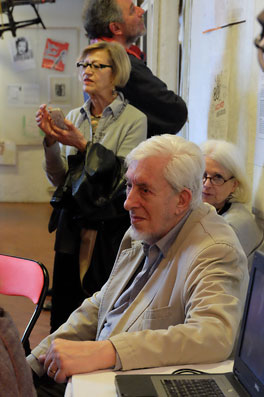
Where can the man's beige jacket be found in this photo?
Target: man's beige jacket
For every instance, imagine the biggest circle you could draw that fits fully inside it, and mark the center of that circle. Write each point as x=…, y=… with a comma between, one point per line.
x=188, y=312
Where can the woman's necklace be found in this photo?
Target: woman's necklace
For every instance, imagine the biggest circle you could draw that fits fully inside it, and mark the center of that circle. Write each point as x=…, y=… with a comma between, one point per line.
x=92, y=110
x=94, y=121
x=96, y=116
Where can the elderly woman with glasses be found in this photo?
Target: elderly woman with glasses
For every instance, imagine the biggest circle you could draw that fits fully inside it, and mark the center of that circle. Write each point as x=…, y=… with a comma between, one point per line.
x=226, y=187
x=84, y=159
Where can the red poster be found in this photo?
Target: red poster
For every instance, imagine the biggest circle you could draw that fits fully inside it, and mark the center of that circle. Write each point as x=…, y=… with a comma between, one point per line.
x=54, y=55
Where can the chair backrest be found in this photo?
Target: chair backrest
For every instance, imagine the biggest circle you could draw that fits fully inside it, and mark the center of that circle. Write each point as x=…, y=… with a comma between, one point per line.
x=24, y=277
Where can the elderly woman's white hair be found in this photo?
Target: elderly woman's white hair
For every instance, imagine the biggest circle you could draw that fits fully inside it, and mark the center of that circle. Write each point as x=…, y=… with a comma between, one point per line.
x=186, y=163
x=228, y=156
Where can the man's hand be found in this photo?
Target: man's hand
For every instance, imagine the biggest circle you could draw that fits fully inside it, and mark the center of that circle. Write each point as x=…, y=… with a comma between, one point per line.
x=66, y=358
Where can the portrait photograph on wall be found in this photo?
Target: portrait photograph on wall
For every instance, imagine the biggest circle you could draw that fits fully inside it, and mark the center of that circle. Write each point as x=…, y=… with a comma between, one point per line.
x=21, y=53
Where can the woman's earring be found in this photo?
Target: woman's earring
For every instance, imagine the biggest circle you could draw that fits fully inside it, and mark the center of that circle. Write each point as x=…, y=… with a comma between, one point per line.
x=114, y=92
x=229, y=197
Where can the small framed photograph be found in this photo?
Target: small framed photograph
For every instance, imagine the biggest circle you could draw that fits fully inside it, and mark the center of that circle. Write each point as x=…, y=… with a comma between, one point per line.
x=59, y=89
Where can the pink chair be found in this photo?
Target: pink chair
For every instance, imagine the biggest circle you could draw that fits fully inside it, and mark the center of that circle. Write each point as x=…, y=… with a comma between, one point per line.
x=28, y=278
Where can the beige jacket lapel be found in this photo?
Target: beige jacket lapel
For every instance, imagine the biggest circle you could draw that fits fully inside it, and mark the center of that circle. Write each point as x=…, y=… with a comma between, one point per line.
x=126, y=265
x=124, y=268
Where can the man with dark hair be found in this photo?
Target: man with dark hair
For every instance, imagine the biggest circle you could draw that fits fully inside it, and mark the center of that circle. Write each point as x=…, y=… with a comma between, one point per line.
x=122, y=21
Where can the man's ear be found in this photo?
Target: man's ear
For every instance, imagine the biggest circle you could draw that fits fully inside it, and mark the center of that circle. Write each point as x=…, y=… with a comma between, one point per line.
x=115, y=28
x=185, y=197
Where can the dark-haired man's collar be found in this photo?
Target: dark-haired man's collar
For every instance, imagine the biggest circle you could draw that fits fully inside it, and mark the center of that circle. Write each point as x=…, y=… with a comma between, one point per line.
x=136, y=51
x=132, y=50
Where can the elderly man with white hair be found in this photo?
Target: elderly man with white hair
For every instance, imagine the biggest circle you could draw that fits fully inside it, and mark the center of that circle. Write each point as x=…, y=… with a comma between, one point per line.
x=177, y=289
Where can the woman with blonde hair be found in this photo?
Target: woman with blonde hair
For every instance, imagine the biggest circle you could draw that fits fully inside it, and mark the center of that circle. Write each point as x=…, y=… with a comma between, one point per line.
x=226, y=187
x=84, y=159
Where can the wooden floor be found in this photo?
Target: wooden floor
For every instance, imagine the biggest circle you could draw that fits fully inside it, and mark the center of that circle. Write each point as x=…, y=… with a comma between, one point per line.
x=24, y=232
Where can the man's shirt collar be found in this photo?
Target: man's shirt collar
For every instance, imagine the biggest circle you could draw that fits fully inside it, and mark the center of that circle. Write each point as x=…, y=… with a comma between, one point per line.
x=133, y=49
x=165, y=242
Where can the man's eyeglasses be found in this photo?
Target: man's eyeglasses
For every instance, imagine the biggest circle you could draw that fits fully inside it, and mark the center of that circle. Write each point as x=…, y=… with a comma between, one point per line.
x=216, y=180
x=93, y=65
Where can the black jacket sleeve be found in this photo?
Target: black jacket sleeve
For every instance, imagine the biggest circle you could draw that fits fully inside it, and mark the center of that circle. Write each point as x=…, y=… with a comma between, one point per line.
x=166, y=111
x=94, y=188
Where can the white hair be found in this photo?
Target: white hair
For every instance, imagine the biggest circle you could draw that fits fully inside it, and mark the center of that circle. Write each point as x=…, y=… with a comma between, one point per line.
x=228, y=156
x=185, y=167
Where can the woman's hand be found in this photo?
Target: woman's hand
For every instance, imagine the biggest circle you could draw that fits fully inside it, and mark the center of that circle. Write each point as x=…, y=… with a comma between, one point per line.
x=43, y=120
x=70, y=136
x=66, y=358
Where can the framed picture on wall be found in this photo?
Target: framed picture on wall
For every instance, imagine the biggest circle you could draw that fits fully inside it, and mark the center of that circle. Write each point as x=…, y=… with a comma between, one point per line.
x=59, y=89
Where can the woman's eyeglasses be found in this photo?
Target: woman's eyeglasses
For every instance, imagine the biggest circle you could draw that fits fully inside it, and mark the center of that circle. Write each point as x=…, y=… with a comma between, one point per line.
x=93, y=65
x=216, y=180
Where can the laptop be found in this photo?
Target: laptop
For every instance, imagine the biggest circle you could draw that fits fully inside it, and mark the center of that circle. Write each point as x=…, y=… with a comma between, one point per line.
x=247, y=378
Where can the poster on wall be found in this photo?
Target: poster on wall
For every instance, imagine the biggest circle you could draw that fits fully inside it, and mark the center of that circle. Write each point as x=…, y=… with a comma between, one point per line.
x=218, y=115
x=55, y=55
x=31, y=134
x=22, y=92
x=7, y=153
x=59, y=89
x=21, y=53
x=23, y=95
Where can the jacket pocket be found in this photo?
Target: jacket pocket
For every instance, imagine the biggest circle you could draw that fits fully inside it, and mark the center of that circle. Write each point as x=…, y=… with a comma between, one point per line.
x=160, y=318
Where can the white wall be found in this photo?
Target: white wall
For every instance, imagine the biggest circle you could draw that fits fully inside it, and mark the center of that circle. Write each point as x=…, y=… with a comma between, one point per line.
x=257, y=79
x=230, y=56
x=227, y=56
x=26, y=181
x=163, y=39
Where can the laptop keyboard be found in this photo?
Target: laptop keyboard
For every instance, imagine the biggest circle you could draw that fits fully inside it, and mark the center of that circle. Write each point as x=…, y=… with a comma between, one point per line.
x=191, y=387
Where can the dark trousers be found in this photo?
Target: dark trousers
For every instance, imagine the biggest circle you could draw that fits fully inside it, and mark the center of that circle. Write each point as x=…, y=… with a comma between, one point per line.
x=67, y=291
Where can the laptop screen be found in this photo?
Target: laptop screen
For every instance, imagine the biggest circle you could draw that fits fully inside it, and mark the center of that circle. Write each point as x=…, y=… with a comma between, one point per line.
x=249, y=362
x=252, y=348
